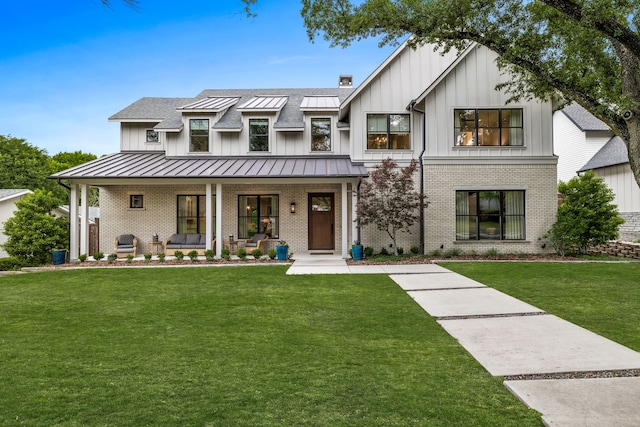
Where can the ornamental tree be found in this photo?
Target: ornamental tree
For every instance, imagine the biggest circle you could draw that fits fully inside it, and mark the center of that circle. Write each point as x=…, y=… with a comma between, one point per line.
x=586, y=217
x=388, y=199
x=34, y=231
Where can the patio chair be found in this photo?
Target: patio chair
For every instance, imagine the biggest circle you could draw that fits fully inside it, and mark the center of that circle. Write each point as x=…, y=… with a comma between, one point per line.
x=255, y=242
x=125, y=244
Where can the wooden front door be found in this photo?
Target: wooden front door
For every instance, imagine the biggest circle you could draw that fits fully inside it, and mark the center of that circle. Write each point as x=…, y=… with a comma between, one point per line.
x=321, y=221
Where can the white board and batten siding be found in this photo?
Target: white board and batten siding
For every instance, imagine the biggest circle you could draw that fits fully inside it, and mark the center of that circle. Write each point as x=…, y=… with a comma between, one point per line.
x=620, y=178
x=133, y=137
x=472, y=85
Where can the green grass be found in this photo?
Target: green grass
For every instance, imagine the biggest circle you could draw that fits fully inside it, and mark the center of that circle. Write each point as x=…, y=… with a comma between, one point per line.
x=239, y=346
x=601, y=297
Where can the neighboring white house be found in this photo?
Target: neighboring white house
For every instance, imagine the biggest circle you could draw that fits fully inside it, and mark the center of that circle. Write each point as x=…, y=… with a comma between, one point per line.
x=583, y=142
x=8, y=199
x=287, y=162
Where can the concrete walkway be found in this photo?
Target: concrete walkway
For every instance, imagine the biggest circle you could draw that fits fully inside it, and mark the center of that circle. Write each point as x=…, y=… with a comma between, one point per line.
x=563, y=371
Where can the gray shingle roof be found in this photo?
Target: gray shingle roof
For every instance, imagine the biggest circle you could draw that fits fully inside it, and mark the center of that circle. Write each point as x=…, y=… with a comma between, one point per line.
x=583, y=119
x=156, y=165
x=6, y=193
x=613, y=153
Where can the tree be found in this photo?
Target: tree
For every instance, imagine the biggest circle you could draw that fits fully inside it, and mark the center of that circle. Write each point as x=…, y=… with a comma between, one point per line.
x=34, y=231
x=586, y=216
x=582, y=50
x=388, y=199
x=66, y=160
x=24, y=166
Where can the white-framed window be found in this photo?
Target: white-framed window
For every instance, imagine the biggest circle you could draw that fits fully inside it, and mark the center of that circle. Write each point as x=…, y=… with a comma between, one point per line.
x=259, y=134
x=198, y=135
x=490, y=215
x=152, y=136
x=320, y=134
x=488, y=127
x=388, y=132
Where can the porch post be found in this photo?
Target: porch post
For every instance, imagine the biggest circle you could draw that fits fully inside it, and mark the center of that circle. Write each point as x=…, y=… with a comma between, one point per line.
x=354, y=215
x=74, y=242
x=220, y=236
x=84, y=219
x=209, y=217
x=345, y=221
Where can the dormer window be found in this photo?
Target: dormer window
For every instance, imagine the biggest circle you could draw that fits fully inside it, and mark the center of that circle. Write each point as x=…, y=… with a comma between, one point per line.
x=258, y=134
x=198, y=135
x=320, y=134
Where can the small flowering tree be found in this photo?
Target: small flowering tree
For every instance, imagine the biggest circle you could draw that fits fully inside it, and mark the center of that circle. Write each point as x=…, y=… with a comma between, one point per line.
x=389, y=200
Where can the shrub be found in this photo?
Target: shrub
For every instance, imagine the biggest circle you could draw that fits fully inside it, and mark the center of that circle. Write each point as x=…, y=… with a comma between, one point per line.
x=225, y=254
x=98, y=256
x=161, y=257
x=384, y=251
x=415, y=250
x=111, y=258
x=242, y=254
x=147, y=257
x=435, y=253
x=179, y=255
x=209, y=255
x=449, y=253
x=257, y=253
x=129, y=258
x=12, y=264
x=368, y=251
x=193, y=255
x=82, y=257
x=272, y=253
x=400, y=251
x=586, y=217
x=493, y=252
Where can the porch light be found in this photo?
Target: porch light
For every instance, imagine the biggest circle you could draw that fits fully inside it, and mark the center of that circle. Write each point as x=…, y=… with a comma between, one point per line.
x=293, y=207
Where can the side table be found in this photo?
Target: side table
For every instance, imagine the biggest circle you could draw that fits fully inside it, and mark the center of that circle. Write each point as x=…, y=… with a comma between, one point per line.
x=232, y=245
x=155, y=247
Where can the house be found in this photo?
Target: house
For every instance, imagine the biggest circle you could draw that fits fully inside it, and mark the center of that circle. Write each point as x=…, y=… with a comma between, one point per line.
x=287, y=162
x=584, y=142
x=8, y=199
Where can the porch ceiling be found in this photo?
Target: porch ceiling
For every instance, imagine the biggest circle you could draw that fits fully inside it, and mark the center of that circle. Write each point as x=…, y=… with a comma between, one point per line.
x=157, y=165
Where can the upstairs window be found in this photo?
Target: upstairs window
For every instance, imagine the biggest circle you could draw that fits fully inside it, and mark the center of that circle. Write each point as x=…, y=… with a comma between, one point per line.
x=388, y=131
x=152, y=136
x=198, y=135
x=485, y=127
x=320, y=134
x=258, y=134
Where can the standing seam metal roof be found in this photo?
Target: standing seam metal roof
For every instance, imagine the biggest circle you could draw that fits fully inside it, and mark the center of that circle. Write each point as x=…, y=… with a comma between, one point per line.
x=157, y=165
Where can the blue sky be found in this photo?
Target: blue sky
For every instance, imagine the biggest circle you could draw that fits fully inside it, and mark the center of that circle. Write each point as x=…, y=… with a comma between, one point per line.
x=66, y=66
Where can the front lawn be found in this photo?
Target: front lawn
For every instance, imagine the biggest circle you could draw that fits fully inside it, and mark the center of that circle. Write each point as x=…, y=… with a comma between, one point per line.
x=238, y=346
x=601, y=297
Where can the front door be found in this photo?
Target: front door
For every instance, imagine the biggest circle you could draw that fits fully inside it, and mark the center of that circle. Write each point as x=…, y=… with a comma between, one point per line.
x=321, y=221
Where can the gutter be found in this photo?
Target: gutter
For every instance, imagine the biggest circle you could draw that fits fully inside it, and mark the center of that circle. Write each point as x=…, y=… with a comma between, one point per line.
x=411, y=107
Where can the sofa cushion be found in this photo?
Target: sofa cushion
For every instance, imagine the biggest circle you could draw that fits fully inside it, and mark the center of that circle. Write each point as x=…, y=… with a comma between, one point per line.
x=203, y=239
x=193, y=239
x=125, y=239
x=178, y=239
x=257, y=237
x=174, y=246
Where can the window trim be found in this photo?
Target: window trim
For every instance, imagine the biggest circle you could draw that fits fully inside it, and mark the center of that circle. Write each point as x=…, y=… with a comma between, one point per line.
x=388, y=130
x=268, y=134
x=457, y=128
x=312, y=119
x=208, y=145
x=501, y=214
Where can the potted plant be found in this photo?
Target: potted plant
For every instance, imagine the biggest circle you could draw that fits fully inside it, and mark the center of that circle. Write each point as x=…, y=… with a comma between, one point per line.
x=282, y=249
x=59, y=255
x=357, y=251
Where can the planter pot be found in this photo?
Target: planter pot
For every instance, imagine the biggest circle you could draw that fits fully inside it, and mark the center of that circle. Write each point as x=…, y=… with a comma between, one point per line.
x=281, y=252
x=357, y=252
x=59, y=256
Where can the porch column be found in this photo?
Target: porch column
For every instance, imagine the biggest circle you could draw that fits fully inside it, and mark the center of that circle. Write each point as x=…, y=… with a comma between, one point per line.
x=84, y=219
x=209, y=217
x=345, y=221
x=219, y=238
x=354, y=215
x=74, y=238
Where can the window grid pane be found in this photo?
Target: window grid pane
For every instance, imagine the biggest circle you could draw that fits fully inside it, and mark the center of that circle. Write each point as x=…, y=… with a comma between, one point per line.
x=488, y=127
x=198, y=135
x=388, y=131
x=258, y=214
x=192, y=215
x=258, y=135
x=320, y=134
x=490, y=215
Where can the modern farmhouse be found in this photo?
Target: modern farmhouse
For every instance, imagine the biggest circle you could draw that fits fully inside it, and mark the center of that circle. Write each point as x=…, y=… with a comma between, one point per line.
x=286, y=163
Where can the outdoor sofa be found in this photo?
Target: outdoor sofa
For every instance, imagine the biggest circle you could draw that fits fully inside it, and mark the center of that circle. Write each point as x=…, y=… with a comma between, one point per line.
x=186, y=243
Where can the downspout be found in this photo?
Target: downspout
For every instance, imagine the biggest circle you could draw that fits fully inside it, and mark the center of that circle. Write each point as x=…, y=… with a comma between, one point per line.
x=411, y=107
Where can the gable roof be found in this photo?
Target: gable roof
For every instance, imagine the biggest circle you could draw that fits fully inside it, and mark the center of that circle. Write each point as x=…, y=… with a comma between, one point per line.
x=583, y=119
x=613, y=153
x=7, y=194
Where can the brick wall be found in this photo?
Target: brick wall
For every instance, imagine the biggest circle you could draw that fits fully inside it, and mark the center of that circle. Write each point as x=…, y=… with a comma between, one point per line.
x=442, y=181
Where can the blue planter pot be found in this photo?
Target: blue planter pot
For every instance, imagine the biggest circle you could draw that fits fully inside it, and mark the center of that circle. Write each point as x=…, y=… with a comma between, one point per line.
x=281, y=252
x=59, y=256
x=357, y=252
